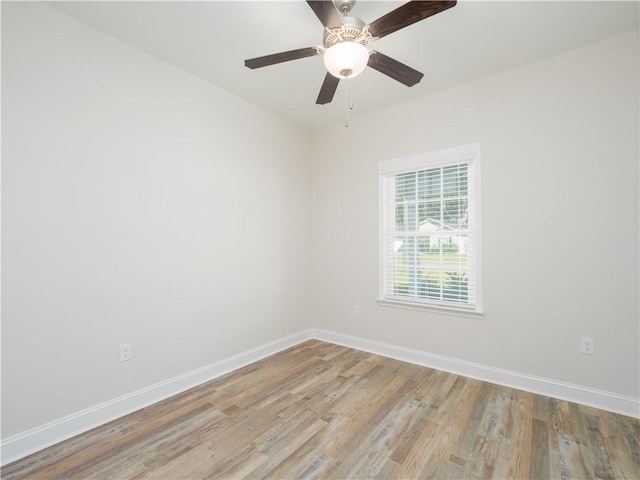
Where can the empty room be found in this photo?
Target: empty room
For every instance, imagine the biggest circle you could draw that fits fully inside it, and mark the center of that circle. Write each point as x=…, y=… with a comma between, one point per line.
x=316, y=239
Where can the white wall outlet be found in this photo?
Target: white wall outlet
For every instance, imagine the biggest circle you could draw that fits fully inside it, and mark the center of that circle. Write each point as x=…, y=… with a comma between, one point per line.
x=356, y=311
x=587, y=346
x=125, y=352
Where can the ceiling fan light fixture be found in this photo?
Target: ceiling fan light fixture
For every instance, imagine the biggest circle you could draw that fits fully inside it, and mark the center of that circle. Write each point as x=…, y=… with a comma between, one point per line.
x=346, y=59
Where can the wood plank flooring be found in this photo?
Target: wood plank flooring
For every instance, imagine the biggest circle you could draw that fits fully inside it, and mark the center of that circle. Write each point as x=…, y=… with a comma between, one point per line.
x=320, y=410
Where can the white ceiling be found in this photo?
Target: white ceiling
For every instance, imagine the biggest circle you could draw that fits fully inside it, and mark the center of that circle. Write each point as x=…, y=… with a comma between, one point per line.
x=211, y=39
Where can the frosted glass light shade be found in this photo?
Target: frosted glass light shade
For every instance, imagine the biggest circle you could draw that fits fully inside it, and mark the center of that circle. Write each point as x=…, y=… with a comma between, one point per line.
x=346, y=59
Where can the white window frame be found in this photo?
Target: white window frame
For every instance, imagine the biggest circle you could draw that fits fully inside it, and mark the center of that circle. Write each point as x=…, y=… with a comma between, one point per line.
x=470, y=155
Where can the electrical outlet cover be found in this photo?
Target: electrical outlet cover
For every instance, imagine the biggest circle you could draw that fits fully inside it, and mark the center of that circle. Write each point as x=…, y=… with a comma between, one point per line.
x=587, y=346
x=125, y=352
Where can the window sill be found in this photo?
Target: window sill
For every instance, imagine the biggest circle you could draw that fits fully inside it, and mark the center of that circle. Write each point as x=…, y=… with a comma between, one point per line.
x=458, y=312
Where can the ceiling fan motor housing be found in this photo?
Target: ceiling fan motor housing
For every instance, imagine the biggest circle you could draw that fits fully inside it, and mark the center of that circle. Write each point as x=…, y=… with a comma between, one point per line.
x=352, y=30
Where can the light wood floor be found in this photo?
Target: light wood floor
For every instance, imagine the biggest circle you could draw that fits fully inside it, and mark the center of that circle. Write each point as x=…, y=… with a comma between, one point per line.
x=319, y=410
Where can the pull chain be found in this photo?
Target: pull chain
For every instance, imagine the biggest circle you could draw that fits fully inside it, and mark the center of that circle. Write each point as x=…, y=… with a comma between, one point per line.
x=349, y=102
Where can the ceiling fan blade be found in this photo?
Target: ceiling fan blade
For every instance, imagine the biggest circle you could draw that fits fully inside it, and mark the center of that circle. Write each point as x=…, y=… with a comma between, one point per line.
x=326, y=13
x=394, y=69
x=406, y=15
x=328, y=89
x=281, y=57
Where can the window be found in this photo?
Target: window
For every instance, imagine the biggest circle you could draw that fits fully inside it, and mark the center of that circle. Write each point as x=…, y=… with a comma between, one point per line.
x=430, y=230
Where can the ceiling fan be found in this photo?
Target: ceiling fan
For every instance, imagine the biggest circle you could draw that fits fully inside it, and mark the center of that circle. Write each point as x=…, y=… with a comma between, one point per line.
x=345, y=43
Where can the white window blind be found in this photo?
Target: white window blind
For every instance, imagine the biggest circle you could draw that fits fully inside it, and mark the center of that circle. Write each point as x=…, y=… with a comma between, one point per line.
x=430, y=226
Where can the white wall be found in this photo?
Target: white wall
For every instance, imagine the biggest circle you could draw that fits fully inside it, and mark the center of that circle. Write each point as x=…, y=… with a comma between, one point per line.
x=560, y=218
x=140, y=204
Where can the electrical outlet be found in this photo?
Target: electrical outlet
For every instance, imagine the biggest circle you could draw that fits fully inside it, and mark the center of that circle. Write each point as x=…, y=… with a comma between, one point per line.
x=356, y=311
x=125, y=352
x=587, y=346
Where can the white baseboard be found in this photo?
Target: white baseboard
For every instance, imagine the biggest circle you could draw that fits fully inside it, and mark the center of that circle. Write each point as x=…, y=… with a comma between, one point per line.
x=592, y=397
x=31, y=441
